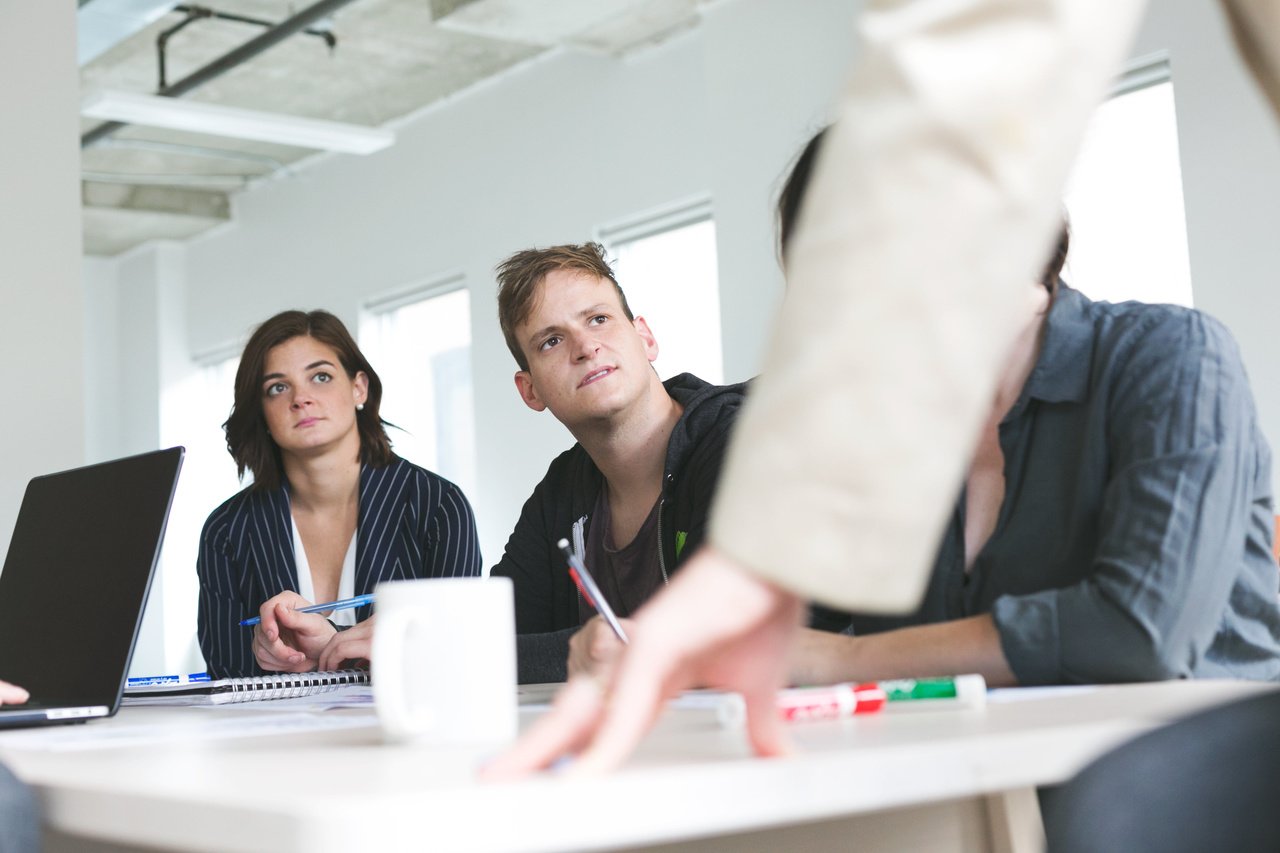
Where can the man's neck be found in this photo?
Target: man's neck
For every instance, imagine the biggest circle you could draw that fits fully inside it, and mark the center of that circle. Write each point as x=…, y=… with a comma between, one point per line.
x=1023, y=357
x=631, y=448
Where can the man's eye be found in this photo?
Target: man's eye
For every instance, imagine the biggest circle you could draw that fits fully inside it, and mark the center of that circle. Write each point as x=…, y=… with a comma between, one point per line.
x=598, y=319
x=550, y=342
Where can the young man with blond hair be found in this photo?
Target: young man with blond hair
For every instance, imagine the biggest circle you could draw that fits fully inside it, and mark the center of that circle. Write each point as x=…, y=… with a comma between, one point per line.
x=633, y=494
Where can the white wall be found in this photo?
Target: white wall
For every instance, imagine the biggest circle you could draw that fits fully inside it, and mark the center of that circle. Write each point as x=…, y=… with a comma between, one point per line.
x=1230, y=151
x=570, y=141
x=41, y=324
x=136, y=346
x=563, y=144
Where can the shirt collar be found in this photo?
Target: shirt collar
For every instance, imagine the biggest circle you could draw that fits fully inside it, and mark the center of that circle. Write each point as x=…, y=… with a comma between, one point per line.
x=1065, y=364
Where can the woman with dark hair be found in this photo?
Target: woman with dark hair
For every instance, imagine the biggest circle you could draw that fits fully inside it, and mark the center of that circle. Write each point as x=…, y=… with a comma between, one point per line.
x=331, y=512
x=1115, y=523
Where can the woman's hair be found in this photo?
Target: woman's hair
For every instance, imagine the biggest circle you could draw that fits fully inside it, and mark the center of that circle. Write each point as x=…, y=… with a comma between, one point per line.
x=248, y=441
x=795, y=187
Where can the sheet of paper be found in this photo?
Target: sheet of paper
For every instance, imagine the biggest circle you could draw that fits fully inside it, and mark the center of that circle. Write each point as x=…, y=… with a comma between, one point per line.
x=538, y=697
x=201, y=727
x=1006, y=695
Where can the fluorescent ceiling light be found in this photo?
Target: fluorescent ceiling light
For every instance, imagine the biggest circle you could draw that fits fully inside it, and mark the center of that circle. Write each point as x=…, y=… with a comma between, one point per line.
x=177, y=114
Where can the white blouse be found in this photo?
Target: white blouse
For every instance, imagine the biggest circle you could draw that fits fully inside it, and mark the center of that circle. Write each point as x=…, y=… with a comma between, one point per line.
x=346, y=582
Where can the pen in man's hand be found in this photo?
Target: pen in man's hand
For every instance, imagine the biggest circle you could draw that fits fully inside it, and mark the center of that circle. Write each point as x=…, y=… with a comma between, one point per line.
x=587, y=586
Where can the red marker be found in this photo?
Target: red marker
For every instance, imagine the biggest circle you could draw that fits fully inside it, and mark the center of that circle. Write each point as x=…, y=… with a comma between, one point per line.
x=798, y=704
x=830, y=702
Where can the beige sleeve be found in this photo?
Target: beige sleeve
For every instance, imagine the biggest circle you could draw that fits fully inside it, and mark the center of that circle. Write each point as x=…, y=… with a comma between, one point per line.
x=933, y=207
x=1255, y=24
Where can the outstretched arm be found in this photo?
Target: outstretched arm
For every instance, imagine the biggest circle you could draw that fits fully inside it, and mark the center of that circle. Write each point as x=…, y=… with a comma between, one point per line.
x=947, y=648
x=741, y=643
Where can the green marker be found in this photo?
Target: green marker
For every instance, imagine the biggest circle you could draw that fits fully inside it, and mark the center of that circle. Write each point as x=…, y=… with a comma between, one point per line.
x=921, y=694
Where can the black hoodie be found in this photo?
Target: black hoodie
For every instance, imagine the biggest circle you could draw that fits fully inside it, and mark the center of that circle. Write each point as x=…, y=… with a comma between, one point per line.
x=546, y=600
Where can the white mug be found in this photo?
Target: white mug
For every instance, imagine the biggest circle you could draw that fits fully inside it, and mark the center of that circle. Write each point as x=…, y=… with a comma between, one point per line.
x=444, y=661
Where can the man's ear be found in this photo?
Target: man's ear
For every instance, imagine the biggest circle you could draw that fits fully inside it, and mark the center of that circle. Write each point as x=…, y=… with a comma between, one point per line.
x=524, y=384
x=650, y=342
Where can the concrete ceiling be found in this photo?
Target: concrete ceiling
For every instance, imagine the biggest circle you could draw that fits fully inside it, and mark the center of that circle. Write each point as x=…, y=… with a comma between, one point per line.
x=392, y=58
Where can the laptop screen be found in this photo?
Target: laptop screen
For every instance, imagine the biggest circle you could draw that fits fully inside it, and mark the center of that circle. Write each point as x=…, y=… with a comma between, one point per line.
x=77, y=574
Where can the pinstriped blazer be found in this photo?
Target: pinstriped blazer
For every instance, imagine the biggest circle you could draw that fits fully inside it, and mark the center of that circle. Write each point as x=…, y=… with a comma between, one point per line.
x=413, y=524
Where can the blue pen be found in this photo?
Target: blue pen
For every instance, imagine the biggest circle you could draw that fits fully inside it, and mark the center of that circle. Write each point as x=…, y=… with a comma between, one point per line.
x=344, y=604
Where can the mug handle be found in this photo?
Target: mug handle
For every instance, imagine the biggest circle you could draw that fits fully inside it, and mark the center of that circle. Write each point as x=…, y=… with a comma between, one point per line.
x=389, y=693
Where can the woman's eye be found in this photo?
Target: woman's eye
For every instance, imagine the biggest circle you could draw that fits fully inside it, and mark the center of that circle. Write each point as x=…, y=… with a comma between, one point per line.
x=322, y=377
x=550, y=342
x=275, y=389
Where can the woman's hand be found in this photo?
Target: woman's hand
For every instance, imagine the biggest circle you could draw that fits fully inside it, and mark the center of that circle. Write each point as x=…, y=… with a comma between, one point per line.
x=286, y=640
x=595, y=646
x=12, y=694
x=354, y=644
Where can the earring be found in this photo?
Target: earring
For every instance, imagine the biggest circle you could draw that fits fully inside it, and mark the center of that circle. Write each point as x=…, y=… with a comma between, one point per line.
x=359, y=407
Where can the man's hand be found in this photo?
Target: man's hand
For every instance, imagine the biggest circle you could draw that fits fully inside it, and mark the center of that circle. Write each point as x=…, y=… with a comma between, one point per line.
x=595, y=646
x=12, y=694
x=286, y=640
x=354, y=643
x=715, y=626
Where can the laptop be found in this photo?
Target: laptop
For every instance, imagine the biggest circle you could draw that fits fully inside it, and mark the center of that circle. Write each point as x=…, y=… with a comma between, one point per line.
x=75, y=584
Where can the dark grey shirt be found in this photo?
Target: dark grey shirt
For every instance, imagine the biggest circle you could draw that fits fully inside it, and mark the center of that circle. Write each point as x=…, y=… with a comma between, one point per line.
x=628, y=576
x=1134, y=541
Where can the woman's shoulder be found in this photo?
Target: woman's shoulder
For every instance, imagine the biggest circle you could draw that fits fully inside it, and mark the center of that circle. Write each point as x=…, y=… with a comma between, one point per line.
x=404, y=476
x=232, y=513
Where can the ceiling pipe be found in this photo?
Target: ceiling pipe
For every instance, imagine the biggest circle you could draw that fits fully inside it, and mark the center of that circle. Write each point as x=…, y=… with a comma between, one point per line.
x=203, y=13
x=229, y=60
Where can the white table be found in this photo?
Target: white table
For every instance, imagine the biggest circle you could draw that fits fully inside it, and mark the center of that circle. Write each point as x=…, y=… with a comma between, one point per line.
x=959, y=780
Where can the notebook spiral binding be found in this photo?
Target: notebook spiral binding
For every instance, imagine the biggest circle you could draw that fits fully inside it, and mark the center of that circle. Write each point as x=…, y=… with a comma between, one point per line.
x=291, y=685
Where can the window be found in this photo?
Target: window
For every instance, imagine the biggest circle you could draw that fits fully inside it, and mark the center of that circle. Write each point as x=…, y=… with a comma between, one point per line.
x=420, y=344
x=192, y=413
x=666, y=264
x=1124, y=197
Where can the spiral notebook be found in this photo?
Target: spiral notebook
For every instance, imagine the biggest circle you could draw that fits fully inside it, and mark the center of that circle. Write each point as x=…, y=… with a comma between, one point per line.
x=200, y=689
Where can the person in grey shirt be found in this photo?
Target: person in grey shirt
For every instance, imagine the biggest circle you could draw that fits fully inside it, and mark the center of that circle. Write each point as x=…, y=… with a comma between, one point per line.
x=19, y=815
x=19, y=809
x=1116, y=523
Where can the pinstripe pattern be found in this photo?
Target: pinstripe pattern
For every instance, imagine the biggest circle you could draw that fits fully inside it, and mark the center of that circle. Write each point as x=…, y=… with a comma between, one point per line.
x=413, y=524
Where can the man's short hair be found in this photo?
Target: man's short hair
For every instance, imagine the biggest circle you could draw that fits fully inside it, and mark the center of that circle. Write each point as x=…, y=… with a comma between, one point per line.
x=520, y=275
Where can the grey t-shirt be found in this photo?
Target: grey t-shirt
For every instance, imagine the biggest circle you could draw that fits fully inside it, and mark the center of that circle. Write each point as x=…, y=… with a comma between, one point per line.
x=628, y=576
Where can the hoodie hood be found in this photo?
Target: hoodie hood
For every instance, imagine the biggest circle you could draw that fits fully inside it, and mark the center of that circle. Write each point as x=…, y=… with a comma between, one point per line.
x=705, y=408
